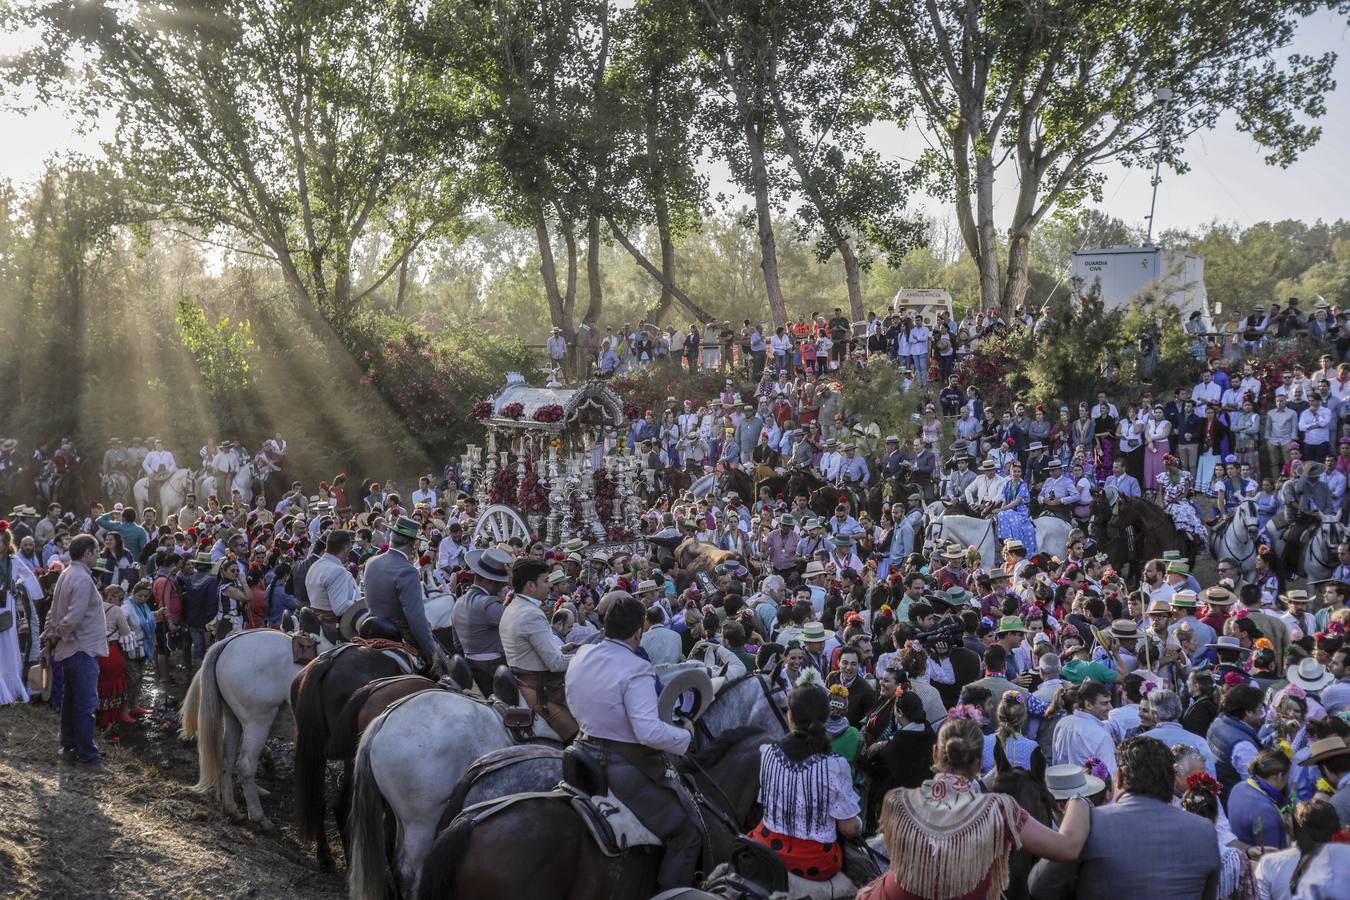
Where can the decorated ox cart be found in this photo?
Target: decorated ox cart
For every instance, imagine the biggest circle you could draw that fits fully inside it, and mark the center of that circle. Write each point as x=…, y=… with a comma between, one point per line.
x=554, y=467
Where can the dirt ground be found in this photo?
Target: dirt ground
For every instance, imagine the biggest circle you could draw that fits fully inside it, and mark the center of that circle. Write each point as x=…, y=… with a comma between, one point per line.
x=134, y=828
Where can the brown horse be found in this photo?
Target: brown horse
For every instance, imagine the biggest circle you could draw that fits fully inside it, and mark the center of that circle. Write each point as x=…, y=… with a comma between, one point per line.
x=318, y=695
x=1154, y=532
x=563, y=862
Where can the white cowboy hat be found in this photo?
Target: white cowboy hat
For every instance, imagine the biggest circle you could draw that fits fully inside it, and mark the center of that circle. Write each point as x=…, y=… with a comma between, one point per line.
x=1311, y=675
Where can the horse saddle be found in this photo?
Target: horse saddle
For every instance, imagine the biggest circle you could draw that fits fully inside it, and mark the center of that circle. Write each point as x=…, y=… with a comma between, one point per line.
x=610, y=822
x=519, y=721
x=379, y=628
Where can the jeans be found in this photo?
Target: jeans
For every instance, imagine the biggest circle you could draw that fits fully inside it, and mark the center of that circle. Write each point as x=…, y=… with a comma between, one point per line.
x=78, y=702
x=919, y=361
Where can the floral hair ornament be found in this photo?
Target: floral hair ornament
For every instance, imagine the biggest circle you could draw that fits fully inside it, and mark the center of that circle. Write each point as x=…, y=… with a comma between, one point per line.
x=966, y=711
x=1233, y=678
x=1263, y=644
x=1096, y=768
x=1014, y=696
x=1202, y=781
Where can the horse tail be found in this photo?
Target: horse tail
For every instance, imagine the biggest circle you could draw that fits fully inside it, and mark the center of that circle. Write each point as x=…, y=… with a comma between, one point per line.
x=203, y=716
x=311, y=737
x=437, y=880
x=365, y=824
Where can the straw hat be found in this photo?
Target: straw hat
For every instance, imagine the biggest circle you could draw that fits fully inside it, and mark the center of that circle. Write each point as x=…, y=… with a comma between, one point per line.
x=813, y=632
x=1325, y=749
x=1218, y=596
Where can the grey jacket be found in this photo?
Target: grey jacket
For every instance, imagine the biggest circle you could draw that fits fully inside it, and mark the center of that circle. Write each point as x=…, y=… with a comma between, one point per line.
x=394, y=591
x=1138, y=847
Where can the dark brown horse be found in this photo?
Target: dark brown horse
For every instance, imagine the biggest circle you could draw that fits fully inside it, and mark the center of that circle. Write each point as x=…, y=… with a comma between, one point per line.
x=563, y=862
x=1153, y=532
x=1027, y=787
x=318, y=695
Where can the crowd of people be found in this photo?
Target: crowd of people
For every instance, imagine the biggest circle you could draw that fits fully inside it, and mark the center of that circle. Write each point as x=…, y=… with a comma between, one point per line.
x=1199, y=723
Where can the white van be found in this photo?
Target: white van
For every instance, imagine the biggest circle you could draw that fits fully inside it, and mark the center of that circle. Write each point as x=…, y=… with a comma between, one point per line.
x=922, y=302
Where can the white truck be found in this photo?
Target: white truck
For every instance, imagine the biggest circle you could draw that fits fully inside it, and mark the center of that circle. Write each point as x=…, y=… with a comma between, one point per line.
x=1127, y=273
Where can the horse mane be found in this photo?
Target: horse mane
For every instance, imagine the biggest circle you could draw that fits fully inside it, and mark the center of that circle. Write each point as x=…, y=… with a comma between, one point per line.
x=725, y=744
x=1029, y=791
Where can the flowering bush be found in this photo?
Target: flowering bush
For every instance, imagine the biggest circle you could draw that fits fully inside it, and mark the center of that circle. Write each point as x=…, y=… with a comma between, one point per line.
x=422, y=377
x=513, y=410
x=550, y=413
x=650, y=388
x=482, y=409
x=1271, y=363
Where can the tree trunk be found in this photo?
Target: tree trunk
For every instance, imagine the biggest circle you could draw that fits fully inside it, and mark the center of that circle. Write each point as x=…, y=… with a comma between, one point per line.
x=658, y=274
x=1019, y=261
x=549, y=271
x=655, y=314
x=853, y=276
x=402, y=293
x=768, y=247
x=987, y=257
x=595, y=289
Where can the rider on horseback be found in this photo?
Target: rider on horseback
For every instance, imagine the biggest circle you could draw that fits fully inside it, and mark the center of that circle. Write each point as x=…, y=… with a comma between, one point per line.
x=611, y=690
x=1310, y=499
x=1059, y=494
x=159, y=464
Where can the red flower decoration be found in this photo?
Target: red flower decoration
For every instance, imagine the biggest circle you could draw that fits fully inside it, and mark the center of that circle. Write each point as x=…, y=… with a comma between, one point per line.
x=550, y=413
x=482, y=409
x=1202, y=781
x=513, y=410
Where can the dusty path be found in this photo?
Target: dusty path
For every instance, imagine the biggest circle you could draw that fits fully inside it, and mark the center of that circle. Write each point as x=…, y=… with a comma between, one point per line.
x=134, y=828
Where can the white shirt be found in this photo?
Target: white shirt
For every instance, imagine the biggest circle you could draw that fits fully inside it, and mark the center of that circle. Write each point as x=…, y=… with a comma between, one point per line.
x=611, y=692
x=156, y=458
x=428, y=497
x=1121, y=719
x=830, y=464
x=1315, y=425
x=330, y=586
x=1080, y=737
x=1205, y=393
x=449, y=554
x=985, y=489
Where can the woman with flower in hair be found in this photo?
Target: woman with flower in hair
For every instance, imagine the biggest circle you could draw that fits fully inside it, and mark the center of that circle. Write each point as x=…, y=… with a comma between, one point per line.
x=1316, y=865
x=844, y=738
x=1175, y=485
x=807, y=791
x=1235, y=870
x=948, y=841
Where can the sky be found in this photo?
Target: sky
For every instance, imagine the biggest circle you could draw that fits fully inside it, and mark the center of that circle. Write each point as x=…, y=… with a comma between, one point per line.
x=1228, y=180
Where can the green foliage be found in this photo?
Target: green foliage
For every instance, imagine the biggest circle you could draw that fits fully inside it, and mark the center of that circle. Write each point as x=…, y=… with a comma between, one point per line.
x=875, y=393
x=221, y=352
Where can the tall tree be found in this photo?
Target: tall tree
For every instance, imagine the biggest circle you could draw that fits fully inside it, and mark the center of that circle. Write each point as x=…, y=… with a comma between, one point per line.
x=1056, y=89
x=738, y=113
x=815, y=72
x=290, y=129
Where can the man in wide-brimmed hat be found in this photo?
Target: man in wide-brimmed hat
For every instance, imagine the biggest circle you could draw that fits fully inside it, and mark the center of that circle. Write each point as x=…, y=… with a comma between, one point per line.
x=478, y=614
x=1331, y=755
x=394, y=593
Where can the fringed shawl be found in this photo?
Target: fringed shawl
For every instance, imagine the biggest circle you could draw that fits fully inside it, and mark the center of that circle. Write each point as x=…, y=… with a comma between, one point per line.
x=796, y=793
x=944, y=839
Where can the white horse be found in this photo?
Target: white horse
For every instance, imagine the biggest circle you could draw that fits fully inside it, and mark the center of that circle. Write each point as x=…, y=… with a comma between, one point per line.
x=1052, y=535
x=411, y=757
x=206, y=485
x=244, y=479
x=243, y=681
x=116, y=487
x=968, y=531
x=172, y=492
x=1236, y=539
x=1319, y=549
